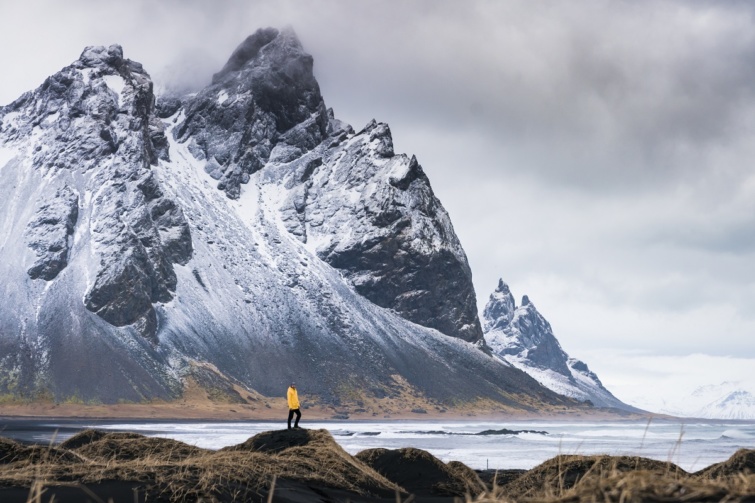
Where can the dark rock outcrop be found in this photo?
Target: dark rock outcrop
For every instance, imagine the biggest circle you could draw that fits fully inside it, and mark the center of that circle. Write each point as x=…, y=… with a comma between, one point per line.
x=96, y=118
x=264, y=96
x=50, y=234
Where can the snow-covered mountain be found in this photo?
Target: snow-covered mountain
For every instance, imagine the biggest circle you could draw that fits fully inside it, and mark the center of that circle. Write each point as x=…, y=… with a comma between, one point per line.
x=727, y=400
x=736, y=404
x=242, y=233
x=522, y=337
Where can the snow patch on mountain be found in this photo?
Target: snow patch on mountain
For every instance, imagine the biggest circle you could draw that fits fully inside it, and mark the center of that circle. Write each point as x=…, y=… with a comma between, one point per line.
x=6, y=154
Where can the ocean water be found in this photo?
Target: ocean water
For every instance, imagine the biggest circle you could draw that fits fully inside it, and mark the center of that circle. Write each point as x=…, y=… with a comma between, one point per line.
x=480, y=445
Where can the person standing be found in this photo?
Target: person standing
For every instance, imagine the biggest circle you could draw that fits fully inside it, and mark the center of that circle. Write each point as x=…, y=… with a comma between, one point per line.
x=293, y=405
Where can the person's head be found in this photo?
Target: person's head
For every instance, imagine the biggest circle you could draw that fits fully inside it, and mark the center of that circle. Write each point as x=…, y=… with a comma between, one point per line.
x=293, y=385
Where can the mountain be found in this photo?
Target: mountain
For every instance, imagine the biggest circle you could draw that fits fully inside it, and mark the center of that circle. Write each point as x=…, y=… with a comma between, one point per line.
x=522, y=337
x=737, y=404
x=727, y=400
x=233, y=239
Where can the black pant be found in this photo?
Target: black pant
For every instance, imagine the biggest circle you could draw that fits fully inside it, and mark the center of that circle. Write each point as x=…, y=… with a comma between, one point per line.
x=291, y=413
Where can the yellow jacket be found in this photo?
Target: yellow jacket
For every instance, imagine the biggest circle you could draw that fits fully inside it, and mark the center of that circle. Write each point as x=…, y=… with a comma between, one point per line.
x=293, y=398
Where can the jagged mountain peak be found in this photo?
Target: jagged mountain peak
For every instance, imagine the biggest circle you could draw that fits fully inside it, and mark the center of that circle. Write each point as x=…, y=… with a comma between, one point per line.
x=523, y=337
x=99, y=55
x=499, y=310
x=90, y=133
x=109, y=64
x=247, y=51
x=265, y=97
x=502, y=287
x=97, y=89
x=533, y=337
x=272, y=49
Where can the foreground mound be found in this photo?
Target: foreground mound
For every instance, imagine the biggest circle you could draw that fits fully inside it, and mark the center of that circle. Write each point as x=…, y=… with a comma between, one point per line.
x=13, y=452
x=311, y=455
x=564, y=472
x=741, y=463
x=304, y=465
x=101, y=446
x=421, y=473
x=625, y=479
x=276, y=441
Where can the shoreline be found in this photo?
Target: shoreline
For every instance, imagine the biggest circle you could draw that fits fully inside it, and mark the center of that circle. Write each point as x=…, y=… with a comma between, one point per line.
x=363, y=420
x=276, y=411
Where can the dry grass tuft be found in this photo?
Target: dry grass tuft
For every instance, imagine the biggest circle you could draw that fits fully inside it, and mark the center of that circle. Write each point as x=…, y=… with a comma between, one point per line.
x=126, y=447
x=10, y=450
x=88, y=436
x=14, y=453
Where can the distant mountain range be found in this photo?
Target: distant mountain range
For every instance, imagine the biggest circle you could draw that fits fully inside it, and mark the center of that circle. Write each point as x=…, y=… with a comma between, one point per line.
x=727, y=400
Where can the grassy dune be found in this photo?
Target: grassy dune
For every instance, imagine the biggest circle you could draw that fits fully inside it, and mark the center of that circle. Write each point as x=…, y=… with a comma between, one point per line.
x=308, y=465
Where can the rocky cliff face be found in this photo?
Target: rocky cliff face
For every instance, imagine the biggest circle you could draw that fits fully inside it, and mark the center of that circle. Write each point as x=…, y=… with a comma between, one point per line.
x=91, y=130
x=49, y=234
x=353, y=201
x=372, y=214
x=523, y=337
x=242, y=229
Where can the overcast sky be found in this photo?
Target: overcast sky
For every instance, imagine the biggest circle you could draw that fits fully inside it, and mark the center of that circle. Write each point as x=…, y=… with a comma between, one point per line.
x=596, y=155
